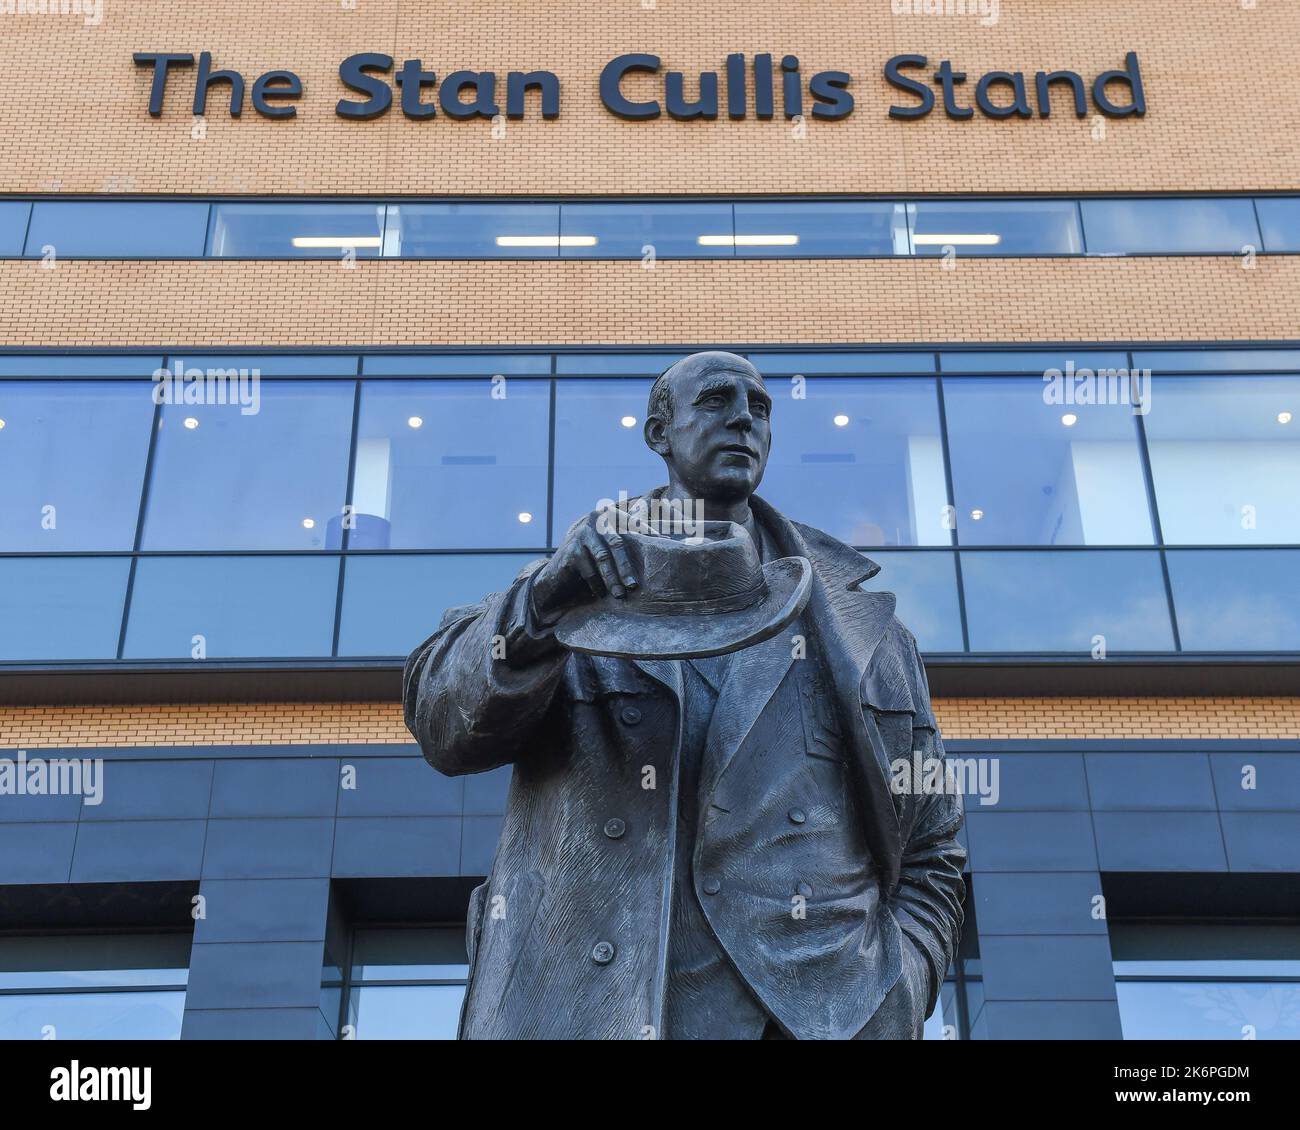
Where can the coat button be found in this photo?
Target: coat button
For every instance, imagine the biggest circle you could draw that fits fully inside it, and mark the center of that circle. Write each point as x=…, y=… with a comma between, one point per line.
x=804, y=889
x=631, y=715
x=711, y=886
x=615, y=828
x=602, y=953
x=797, y=816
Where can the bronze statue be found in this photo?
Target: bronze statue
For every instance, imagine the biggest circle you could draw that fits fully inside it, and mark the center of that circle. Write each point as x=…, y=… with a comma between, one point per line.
x=701, y=839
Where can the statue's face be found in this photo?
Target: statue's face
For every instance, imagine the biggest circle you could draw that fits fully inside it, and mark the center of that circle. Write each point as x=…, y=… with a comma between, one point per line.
x=718, y=439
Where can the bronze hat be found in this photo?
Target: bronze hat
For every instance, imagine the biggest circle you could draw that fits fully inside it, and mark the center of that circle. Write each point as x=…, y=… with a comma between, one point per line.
x=694, y=600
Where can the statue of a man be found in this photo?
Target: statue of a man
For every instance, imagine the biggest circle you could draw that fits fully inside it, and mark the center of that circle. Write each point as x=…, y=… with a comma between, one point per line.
x=713, y=847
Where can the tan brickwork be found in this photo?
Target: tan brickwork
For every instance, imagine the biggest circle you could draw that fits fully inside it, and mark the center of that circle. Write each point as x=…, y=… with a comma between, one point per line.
x=1222, y=106
x=297, y=723
x=216, y=303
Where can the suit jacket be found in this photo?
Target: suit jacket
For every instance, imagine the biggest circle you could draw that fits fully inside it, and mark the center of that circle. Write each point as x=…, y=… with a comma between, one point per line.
x=568, y=936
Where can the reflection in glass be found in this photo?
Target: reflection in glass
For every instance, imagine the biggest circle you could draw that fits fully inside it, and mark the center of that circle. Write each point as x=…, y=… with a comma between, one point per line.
x=117, y=229
x=72, y=457
x=862, y=460
x=1030, y=473
x=1236, y=600
x=473, y=231
x=926, y=587
x=1164, y=226
x=1225, y=458
x=13, y=227
x=430, y=968
x=1279, y=221
x=297, y=231
x=451, y=464
x=991, y=227
x=61, y=607
x=380, y=591
x=239, y=607
x=455, y=364
x=599, y=448
x=273, y=479
x=770, y=364
x=842, y=229
x=624, y=231
x=1047, y=602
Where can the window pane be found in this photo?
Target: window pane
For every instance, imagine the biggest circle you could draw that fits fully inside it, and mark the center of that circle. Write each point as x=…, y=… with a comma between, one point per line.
x=475, y=231
x=273, y=479
x=407, y=1012
x=1236, y=600
x=1215, y=360
x=13, y=227
x=1130, y=227
x=456, y=364
x=1012, y=227
x=451, y=464
x=827, y=228
x=862, y=460
x=1279, y=221
x=1225, y=457
x=118, y=229
x=274, y=364
x=616, y=364
x=435, y=953
x=1023, y=361
x=599, y=448
x=1044, y=601
x=392, y=603
x=61, y=607
x=80, y=365
x=921, y=361
x=296, y=231
x=72, y=456
x=1208, y=1010
x=92, y=1016
x=1030, y=473
x=71, y=961
x=622, y=231
x=243, y=607
x=926, y=587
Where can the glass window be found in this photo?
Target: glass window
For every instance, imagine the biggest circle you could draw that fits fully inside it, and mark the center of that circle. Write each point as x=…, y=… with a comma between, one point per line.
x=93, y=987
x=991, y=227
x=1279, y=221
x=1216, y=360
x=1225, y=458
x=79, y=365
x=1062, y=602
x=451, y=464
x=1028, y=472
x=860, y=459
x=72, y=456
x=13, y=227
x=297, y=231
x=118, y=229
x=242, y=607
x=829, y=228
x=392, y=602
x=473, y=231
x=623, y=231
x=456, y=364
x=616, y=364
x=809, y=363
x=275, y=364
x=408, y=984
x=1236, y=600
x=926, y=587
x=1207, y=981
x=275, y=478
x=61, y=607
x=1165, y=226
x=1022, y=361
x=599, y=447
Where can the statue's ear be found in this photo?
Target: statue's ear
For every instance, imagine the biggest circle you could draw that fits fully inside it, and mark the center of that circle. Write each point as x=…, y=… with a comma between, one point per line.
x=656, y=436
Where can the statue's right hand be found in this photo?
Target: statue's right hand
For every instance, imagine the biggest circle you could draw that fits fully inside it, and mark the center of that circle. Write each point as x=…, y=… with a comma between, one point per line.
x=591, y=562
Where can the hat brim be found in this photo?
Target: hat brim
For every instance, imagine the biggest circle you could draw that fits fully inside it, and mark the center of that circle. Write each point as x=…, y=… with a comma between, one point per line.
x=615, y=628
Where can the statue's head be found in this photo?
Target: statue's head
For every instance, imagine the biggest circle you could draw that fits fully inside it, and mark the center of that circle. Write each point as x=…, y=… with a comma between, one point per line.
x=710, y=419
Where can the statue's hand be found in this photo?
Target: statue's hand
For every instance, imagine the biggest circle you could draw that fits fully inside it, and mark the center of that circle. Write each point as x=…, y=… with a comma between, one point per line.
x=591, y=562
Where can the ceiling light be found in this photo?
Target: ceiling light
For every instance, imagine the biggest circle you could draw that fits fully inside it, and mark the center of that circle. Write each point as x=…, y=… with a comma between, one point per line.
x=525, y=517
x=747, y=240
x=415, y=422
x=546, y=241
x=1282, y=418
x=335, y=242
x=841, y=421
x=309, y=523
x=191, y=423
x=977, y=514
x=628, y=421
x=1069, y=419
x=2, y=424
x=974, y=239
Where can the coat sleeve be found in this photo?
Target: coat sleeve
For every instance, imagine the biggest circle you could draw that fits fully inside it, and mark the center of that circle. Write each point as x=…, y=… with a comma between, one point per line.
x=476, y=693
x=928, y=899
